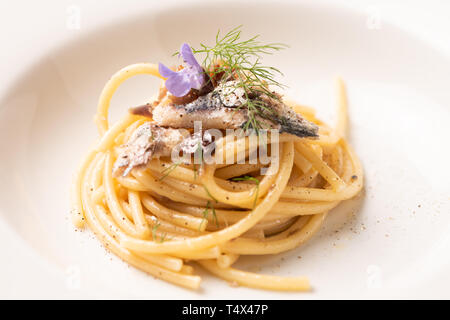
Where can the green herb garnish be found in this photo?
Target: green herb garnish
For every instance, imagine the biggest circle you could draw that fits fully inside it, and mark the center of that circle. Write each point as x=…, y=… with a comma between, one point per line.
x=155, y=236
x=215, y=216
x=209, y=194
x=205, y=213
x=154, y=228
x=238, y=59
x=168, y=170
x=248, y=178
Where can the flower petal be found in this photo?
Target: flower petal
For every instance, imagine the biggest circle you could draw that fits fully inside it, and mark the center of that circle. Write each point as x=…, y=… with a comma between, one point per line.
x=196, y=80
x=191, y=76
x=188, y=57
x=178, y=84
x=165, y=71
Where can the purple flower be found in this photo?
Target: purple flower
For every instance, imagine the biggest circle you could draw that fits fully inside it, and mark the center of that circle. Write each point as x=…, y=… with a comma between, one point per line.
x=179, y=83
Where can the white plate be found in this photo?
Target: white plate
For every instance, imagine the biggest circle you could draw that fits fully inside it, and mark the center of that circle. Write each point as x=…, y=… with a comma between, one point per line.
x=393, y=241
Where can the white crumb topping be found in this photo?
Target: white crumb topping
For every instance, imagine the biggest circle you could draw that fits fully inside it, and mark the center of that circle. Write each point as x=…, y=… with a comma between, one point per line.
x=231, y=94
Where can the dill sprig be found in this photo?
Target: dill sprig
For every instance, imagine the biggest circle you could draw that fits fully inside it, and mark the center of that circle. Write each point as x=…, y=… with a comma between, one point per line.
x=249, y=178
x=155, y=236
x=168, y=170
x=154, y=228
x=215, y=216
x=209, y=194
x=211, y=206
x=205, y=214
x=239, y=59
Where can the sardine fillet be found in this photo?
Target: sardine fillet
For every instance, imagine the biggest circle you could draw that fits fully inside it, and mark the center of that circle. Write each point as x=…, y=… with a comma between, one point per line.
x=148, y=141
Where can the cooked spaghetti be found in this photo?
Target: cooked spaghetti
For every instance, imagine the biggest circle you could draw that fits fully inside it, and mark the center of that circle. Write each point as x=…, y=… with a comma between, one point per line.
x=166, y=217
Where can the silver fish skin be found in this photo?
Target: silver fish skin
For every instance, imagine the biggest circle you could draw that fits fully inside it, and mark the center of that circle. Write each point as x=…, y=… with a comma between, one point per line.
x=147, y=141
x=222, y=109
x=285, y=119
x=216, y=110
